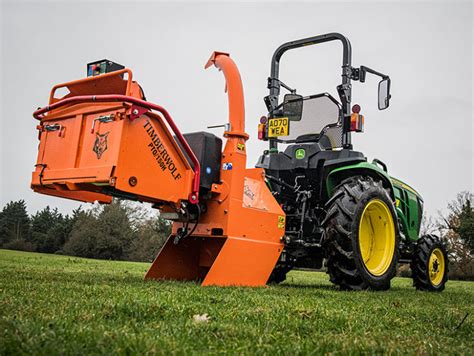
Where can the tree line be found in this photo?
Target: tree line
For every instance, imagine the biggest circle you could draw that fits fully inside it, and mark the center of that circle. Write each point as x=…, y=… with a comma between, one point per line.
x=119, y=231
x=126, y=231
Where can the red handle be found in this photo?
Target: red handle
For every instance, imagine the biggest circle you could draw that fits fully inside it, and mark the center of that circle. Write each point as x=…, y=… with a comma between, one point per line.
x=193, y=198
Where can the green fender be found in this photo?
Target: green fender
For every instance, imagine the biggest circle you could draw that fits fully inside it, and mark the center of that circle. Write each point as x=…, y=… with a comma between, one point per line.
x=361, y=168
x=408, y=203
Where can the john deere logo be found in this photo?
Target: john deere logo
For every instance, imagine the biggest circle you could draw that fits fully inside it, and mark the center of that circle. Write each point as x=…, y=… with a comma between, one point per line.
x=100, y=144
x=300, y=153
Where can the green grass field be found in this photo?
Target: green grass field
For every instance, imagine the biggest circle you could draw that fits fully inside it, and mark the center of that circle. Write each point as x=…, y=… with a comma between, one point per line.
x=64, y=305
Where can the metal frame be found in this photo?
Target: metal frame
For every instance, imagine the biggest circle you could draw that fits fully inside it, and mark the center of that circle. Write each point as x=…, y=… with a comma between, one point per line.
x=344, y=89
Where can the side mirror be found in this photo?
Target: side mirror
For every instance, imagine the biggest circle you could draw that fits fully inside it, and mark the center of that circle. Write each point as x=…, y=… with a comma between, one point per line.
x=293, y=107
x=384, y=93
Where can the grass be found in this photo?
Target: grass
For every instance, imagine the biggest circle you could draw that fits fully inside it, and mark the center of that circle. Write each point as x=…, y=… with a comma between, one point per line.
x=65, y=305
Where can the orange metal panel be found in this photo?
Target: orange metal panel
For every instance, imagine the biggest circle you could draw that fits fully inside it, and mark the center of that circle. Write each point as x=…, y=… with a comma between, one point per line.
x=243, y=262
x=189, y=260
x=86, y=196
x=139, y=157
x=151, y=155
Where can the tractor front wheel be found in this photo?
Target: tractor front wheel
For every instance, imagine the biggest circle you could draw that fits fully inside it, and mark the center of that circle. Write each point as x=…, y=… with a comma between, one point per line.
x=429, y=266
x=361, y=239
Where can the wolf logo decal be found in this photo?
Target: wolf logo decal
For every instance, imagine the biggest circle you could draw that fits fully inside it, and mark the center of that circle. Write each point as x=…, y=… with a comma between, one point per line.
x=100, y=144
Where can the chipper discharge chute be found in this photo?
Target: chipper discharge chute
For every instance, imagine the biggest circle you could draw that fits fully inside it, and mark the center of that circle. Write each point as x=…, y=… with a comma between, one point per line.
x=103, y=139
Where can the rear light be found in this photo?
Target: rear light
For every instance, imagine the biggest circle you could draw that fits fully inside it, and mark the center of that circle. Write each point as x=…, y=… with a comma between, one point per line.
x=261, y=131
x=262, y=128
x=357, y=123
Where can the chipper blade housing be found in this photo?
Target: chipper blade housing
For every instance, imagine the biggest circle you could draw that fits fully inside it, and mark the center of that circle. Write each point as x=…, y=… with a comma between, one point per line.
x=94, y=146
x=103, y=140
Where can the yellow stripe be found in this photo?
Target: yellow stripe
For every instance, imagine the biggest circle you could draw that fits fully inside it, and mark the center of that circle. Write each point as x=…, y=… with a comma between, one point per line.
x=405, y=186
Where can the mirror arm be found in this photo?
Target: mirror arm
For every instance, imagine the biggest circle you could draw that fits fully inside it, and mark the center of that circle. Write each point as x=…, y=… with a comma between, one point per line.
x=274, y=83
x=363, y=70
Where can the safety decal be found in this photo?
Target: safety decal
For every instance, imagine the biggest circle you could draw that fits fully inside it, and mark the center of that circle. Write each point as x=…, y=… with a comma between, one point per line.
x=281, y=222
x=248, y=191
x=241, y=146
x=227, y=166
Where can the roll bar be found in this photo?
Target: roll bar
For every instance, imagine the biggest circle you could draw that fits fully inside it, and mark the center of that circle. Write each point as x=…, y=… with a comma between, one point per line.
x=344, y=89
x=275, y=68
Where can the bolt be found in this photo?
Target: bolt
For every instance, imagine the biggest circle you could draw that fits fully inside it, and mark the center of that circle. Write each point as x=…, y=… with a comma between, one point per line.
x=133, y=181
x=135, y=112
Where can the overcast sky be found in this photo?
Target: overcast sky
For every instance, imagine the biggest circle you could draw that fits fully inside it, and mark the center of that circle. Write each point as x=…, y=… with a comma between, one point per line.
x=425, y=137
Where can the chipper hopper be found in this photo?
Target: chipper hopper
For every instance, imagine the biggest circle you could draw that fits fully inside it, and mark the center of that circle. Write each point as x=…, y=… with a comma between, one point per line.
x=313, y=201
x=104, y=140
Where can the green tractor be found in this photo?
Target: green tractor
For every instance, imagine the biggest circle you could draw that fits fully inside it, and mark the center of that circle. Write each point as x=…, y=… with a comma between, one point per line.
x=340, y=208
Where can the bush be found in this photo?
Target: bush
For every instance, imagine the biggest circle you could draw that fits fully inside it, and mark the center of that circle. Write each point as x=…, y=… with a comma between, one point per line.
x=20, y=245
x=103, y=233
x=151, y=234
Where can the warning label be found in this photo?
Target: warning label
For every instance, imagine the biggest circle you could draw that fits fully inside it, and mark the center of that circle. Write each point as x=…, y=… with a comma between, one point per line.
x=281, y=222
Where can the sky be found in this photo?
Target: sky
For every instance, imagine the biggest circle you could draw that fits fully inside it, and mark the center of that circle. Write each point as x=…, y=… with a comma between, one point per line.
x=425, y=136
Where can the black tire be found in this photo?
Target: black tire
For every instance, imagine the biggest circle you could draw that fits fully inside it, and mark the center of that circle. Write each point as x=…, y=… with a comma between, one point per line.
x=420, y=264
x=345, y=265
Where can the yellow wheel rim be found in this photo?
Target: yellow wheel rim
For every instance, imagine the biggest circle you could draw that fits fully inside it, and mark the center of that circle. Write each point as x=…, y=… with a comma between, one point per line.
x=436, y=267
x=377, y=237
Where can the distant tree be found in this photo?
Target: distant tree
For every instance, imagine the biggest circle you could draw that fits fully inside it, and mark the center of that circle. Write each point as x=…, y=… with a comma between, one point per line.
x=461, y=218
x=115, y=232
x=41, y=224
x=458, y=230
x=69, y=221
x=103, y=232
x=14, y=223
x=151, y=234
x=81, y=240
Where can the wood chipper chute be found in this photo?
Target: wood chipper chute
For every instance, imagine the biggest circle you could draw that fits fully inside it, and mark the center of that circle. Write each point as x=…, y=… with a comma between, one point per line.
x=104, y=140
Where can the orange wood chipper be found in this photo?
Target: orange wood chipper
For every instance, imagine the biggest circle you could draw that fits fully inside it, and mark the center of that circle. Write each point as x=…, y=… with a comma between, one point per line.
x=103, y=140
x=313, y=199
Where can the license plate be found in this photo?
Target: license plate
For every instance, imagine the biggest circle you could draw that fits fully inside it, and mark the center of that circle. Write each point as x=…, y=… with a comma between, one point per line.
x=278, y=127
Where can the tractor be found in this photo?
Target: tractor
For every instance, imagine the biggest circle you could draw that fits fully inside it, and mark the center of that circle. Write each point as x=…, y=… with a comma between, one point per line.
x=339, y=207
x=311, y=201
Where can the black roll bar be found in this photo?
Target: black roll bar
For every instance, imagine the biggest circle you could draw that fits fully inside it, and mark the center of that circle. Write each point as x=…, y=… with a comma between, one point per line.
x=344, y=90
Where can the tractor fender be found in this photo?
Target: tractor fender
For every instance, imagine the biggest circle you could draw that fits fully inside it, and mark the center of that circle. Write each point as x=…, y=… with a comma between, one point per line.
x=365, y=168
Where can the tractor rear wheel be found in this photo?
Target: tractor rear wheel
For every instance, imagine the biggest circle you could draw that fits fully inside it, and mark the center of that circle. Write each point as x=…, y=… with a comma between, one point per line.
x=361, y=239
x=430, y=264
